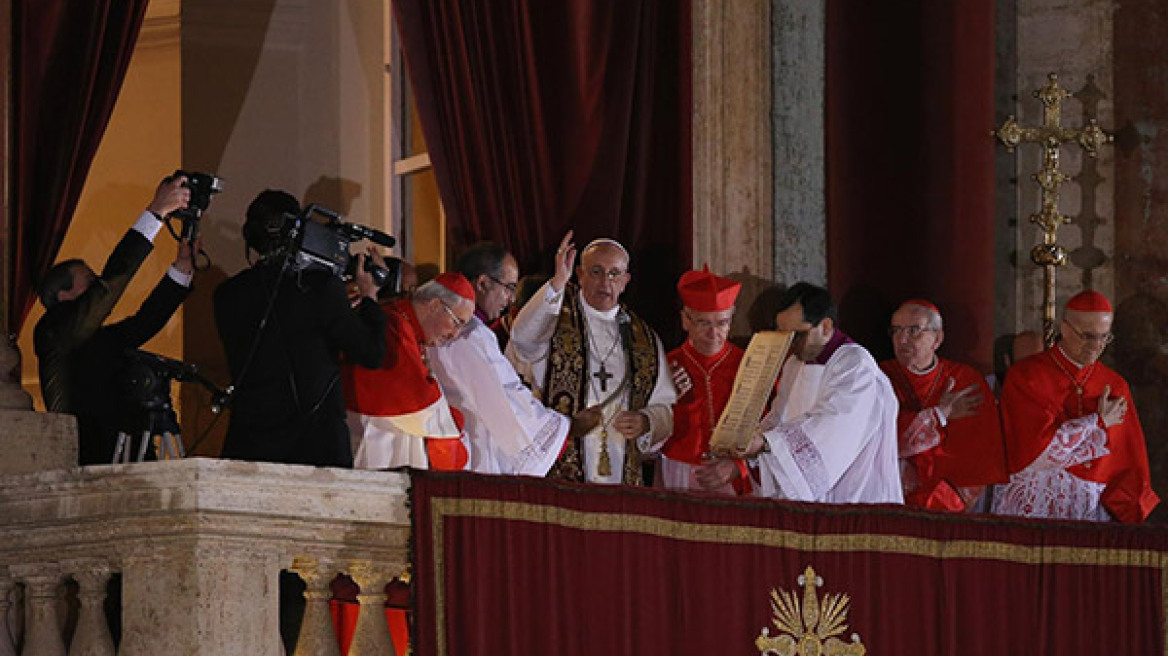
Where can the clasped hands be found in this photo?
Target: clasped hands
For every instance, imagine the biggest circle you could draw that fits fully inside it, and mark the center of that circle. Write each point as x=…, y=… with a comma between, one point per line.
x=629, y=424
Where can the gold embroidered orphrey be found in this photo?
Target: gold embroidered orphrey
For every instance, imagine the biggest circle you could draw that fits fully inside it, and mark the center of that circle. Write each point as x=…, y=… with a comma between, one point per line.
x=809, y=630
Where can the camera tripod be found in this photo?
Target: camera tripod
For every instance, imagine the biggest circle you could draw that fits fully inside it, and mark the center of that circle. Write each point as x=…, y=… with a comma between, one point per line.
x=161, y=422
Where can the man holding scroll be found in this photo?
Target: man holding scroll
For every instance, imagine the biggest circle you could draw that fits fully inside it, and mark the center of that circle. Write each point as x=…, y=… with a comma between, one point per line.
x=830, y=435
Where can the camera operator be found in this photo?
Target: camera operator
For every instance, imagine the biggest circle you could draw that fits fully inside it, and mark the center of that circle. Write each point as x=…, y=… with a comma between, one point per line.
x=80, y=359
x=284, y=333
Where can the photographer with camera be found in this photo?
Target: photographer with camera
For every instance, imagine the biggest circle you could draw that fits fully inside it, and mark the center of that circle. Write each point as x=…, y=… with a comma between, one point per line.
x=79, y=358
x=284, y=329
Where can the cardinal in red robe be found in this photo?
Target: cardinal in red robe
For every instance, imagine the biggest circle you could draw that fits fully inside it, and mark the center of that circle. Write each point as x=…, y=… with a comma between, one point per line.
x=1075, y=447
x=703, y=370
x=397, y=413
x=948, y=430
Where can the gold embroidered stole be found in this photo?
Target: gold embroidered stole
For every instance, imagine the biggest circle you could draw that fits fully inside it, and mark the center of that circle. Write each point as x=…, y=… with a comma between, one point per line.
x=566, y=385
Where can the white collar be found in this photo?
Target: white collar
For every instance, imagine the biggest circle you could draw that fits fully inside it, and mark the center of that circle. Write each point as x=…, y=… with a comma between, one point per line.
x=926, y=370
x=607, y=315
x=1069, y=358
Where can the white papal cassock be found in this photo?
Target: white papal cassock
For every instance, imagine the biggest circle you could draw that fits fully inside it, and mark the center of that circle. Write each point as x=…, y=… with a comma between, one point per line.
x=531, y=335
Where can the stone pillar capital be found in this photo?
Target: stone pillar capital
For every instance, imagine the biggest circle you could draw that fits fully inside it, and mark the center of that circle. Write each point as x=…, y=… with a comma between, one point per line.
x=42, y=579
x=42, y=630
x=91, y=574
x=370, y=576
x=317, y=574
x=87, y=566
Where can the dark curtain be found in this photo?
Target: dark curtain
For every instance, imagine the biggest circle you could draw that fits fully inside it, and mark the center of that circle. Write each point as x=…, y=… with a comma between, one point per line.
x=69, y=59
x=520, y=566
x=910, y=170
x=544, y=116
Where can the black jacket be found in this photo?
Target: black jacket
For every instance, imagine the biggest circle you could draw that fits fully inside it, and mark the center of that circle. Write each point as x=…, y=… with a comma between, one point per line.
x=288, y=406
x=68, y=325
x=100, y=388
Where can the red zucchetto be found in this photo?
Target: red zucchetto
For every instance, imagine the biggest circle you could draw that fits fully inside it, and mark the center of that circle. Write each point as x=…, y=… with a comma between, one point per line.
x=1089, y=300
x=922, y=303
x=457, y=283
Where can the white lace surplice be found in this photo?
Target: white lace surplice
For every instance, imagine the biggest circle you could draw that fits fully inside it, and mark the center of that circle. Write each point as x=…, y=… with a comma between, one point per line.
x=1046, y=489
x=922, y=434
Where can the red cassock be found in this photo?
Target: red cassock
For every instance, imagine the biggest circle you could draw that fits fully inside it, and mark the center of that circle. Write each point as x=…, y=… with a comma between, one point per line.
x=697, y=412
x=971, y=452
x=403, y=386
x=1039, y=396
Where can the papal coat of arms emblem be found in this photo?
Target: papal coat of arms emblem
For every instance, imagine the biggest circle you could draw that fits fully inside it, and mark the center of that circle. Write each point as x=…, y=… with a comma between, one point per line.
x=810, y=628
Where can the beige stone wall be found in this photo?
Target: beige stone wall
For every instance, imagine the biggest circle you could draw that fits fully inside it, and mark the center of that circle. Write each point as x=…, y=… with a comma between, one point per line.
x=285, y=94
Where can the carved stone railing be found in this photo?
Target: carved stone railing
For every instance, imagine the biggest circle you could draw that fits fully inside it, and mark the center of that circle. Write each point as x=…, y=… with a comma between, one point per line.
x=199, y=545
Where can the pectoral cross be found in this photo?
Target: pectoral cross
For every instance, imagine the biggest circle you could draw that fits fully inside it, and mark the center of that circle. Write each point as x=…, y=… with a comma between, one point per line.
x=603, y=377
x=1051, y=135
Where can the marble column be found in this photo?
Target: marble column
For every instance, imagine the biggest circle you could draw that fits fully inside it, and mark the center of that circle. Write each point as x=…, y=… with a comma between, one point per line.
x=800, y=69
x=42, y=635
x=732, y=142
x=92, y=637
x=7, y=646
x=758, y=142
x=371, y=637
x=12, y=395
x=317, y=637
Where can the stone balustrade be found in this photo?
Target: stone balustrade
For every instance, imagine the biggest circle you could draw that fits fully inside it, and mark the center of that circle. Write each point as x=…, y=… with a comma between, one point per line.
x=199, y=545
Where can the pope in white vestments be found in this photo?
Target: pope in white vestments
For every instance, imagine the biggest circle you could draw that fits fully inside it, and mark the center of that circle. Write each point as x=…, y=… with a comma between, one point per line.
x=831, y=433
x=585, y=350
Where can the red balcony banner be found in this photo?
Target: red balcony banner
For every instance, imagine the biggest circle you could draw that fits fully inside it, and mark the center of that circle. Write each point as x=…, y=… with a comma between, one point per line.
x=520, y=566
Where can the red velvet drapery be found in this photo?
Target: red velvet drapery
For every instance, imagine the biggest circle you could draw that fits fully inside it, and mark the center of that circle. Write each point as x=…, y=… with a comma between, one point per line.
x=910, y=170
x=527, y=566
x=69, y=60
x=544, y=116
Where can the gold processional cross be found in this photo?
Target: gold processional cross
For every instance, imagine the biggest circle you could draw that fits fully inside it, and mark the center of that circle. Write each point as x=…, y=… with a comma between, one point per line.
x=1051, y=134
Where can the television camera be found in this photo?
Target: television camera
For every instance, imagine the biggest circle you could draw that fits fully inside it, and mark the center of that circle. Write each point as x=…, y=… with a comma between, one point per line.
x=317, y=238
